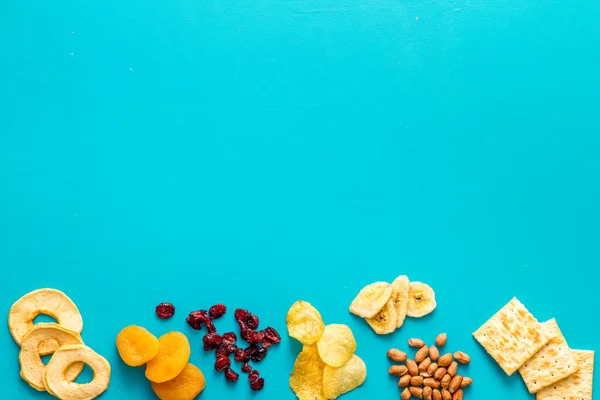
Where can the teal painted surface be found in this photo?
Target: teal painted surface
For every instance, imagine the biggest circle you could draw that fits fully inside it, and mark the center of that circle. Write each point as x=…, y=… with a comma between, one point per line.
x=256, y=153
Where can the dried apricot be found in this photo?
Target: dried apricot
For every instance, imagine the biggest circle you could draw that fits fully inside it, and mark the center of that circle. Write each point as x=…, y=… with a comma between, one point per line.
x=172, y=357
x=136, y=345
x=185, y=386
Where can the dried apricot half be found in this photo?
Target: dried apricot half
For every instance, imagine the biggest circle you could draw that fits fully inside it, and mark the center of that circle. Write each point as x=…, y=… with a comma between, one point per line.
x=136, y=345
x=172, y=357
x=185, y=386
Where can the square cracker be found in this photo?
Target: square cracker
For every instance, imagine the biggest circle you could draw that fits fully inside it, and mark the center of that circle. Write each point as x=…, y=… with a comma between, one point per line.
x=512, y=336
x=576, y=387
x=553, y=362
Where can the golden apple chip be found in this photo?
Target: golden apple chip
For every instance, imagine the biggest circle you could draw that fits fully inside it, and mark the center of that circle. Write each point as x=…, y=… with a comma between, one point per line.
x=50, y=302
x=61, y=387
x=337, y=381
x=304, y=322
x=337, y=345
x=306, y=380
x=32, y=367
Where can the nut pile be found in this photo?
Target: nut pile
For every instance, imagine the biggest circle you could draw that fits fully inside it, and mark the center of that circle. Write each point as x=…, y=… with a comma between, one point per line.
x=430, y=375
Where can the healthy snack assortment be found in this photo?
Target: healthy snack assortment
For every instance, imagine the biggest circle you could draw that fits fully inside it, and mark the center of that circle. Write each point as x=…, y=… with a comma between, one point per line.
x=430, y=375
x=170, y=374
x=385, y=306
x=62, y=340
x=539, y=351
x=258, y=342
x=327, y=366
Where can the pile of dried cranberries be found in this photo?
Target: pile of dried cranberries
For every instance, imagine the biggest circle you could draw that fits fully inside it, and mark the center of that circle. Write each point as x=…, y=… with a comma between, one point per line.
x=224, y=345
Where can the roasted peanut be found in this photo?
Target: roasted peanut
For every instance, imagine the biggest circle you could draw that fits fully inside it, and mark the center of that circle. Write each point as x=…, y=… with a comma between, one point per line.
x=416, y=343
x=398, y=370
x=396, y=355
x=440, y=340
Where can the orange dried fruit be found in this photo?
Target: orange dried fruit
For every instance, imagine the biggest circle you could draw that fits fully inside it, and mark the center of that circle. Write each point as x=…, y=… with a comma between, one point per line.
x=172, y=357
x=185, y=386
x=136, y=345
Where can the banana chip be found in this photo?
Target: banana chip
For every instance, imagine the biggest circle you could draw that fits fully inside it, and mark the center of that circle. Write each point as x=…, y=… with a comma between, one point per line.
x=304, y=322
x=337, y=345
x=421, y=300
x=400, y=289
x=371, y=299
x=50, y=302
x=32, y=367
x=337, y=381
x=306, y=379
x=56, y=382
x=385, y=321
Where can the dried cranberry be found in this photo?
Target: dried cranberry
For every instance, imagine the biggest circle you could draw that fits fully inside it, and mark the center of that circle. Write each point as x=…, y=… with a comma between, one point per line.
x=210, y=326
x=258, y=337
x=212, y=341
x=272, y=335
x=222, y=363
x=252, y=321
x=165, y=310
x=257, y=384
x=240, y=314
x=240, y=356
x=259, y=355
x=217, y=311
x=194, y=324
x=246, y=367
x=231, y=375
x=253, y=375
x=247, y=335
x=196, y=318
x=229, y=338
x=221, y=352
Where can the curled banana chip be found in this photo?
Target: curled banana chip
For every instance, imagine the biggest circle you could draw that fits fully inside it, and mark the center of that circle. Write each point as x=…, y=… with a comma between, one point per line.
x=371, y=299
x=385, y=321
x=400, y=290
x=50, y=302
x=61, y=387
x=421, y=300
x=32, y=367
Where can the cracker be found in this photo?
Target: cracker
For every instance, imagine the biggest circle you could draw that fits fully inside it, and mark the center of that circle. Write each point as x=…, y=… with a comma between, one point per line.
x=576, y=387
x=512, y=336
x=554, y=362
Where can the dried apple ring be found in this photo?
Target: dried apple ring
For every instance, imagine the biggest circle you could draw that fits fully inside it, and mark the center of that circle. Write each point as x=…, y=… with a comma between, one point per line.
x=63, y=358
x=32, y=367
x=50, y=302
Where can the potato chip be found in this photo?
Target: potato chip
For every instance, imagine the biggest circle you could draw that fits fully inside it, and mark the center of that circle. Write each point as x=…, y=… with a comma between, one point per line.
x=371, y=299
x=304, y=322
x=50, y=302
x=337, y=381
x=306, y=379
x=59, y=386
x=337, y=345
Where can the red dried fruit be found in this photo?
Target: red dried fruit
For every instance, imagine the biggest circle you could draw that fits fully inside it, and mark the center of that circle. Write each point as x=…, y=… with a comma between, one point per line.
x=272, y=336
x=194, y=324
x=247, y=335
x=231, y=375
x=196, y=318
x=257, y=384
x=253, y=376
x=246, y=367
x=212, y=341
x=240, y=355
x=259, y=355
x=222, y=363
x=251, y=321
x=221, y=352
x=240, y=314
x=165, y=310
x=210, y=326
x=229, y=338
x=258, y=337
x=231, y=348
x=217, y=311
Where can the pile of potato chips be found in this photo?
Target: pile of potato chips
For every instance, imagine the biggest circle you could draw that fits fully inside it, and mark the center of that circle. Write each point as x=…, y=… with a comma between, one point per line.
x=385, y=306
x=62, y=340
x=327, y=366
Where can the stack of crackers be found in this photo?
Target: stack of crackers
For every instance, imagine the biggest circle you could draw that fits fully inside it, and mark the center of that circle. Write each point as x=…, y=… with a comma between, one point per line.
x=539, y=351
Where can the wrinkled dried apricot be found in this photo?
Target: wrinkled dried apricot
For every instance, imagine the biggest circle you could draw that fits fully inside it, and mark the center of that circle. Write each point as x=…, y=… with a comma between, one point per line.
x=136, y=345
x=185, y=386
x=172, y=357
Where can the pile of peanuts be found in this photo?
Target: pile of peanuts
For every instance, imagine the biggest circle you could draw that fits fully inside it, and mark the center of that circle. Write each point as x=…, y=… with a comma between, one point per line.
x=430, y=376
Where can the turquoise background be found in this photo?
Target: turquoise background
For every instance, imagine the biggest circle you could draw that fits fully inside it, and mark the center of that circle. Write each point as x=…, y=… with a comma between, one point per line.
x=260, y=152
